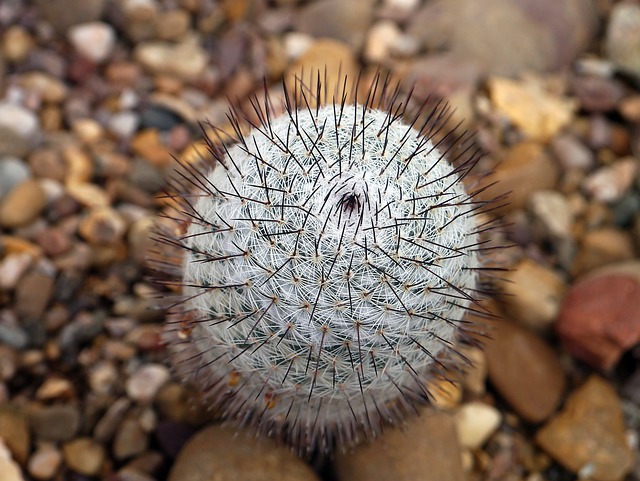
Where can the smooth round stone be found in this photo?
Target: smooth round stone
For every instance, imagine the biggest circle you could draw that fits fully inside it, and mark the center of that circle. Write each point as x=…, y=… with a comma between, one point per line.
x=44, y=462
x=22, y=205
x=84, y=456
x=524, y=370
x=144, y=384
x=19, y=129
x=14, y=431
x=600, y=315
x=476, y=422
x=424, y=449
x=12, y=172
x=221, y=454
x=93, y=40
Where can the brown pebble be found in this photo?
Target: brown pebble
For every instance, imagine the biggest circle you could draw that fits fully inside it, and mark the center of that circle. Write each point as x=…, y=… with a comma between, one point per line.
x=33, y=291
x=600, y=315
x=532, y=294
x=130, y=440
x=525, y=168
x=223, y=454
x=22, y=204
x=588, y=437
x=524, y=370
x=426, y=448
x=601, y=247
x=53, y=241
x=102, y=226
x=14, y=431
x=47, y=163
x=84, y=456
x=147, y=144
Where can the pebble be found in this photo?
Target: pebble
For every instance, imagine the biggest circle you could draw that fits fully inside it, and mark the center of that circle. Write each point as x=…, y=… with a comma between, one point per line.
x=600, y=315
x=296, y=44
x=572, y=153
x=597, y=94
x=172, y=24
x=324, y=55
x=524, y=169
x=426, y=449
x=343, y=20
x=610, y=183
x=47, y=87
x=19, y=130
x=22, y=204
x=445, y=76
x=44, y=462
x=14, y=431
x=87, y=194
x=34, y=290
x=143, y=385
x=507, y=37
x=532, y=294
x=524, y=370
x=17, y=42
x=552, y=213
x=187, y=60
x=588, y=435
x=222, y=454
x=148, y=145
x=84, y=456
x=130, y=439
x=12, y=267
x=13, y=171
x=94, y=40
x=58, y=422
x=476, y=422
x=600, y=247
x=54, y=388
x=102, y=226
x=538, y=113
x=10, y=470
x=74, y=12
x=622, y=42
x=47, y=163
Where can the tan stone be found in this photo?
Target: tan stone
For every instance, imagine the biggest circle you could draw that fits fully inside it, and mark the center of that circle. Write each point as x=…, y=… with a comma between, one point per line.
x=22, y=204
x=532, y=294
x=589, y=434
x=325, y=56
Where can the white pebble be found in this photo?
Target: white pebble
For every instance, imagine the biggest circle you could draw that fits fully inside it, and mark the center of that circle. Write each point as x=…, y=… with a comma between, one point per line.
x=94, y=40
x=476, y=422
x=382, y=37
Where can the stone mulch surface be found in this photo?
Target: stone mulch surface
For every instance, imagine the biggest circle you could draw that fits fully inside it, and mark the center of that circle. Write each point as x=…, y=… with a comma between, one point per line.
x=97, y=97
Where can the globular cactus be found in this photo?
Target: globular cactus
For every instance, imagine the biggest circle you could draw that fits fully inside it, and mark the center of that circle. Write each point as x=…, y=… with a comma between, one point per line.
x=330, y=258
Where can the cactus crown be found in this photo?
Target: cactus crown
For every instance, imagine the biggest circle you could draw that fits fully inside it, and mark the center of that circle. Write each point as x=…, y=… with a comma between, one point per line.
x=330, y=258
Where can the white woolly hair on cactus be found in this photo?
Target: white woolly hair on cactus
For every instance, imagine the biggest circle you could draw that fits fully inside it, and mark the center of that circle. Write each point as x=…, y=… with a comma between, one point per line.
x=330, y=257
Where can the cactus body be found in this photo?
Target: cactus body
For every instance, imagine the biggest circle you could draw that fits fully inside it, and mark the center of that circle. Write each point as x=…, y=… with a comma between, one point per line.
x=328, y=266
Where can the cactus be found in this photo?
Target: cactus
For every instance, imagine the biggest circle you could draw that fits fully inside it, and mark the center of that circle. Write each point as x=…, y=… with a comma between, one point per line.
x=329, y=261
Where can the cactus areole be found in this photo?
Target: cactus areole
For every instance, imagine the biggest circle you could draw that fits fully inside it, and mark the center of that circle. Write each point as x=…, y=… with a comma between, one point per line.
x=331, y=255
